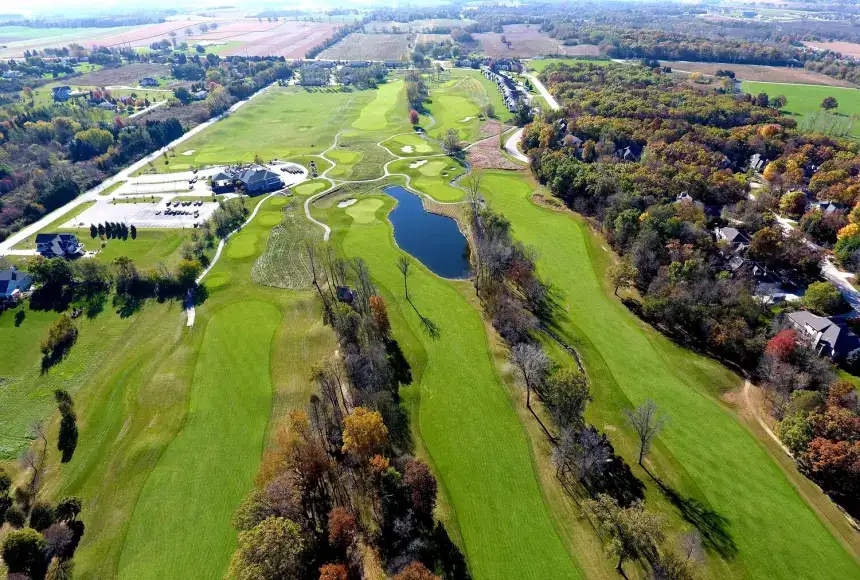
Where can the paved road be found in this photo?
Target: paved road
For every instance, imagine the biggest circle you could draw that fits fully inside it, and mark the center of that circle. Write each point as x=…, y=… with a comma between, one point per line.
x=511, y=146
x=553, y=104
x=123, y=175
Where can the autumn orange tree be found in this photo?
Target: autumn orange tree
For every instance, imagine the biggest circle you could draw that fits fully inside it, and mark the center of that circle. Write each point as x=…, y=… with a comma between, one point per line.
x=364, y=433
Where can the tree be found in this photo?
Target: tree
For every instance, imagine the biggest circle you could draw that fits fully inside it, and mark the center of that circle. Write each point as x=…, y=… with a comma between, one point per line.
x=23, y=552
x=489, y=111
x=333, y=572
x=534, y=365
x=779, y=102
x=68, y=509
x=403, y=264
x=187, y=272
x=61, y=336
x=782, y=345
x=364, y=432
x=60, y=569
x=422, y=486
x=566, y=393
x=824, y=298
x=632, y=531
x=796, y=432
x=793, y=203
x=172, y=35
x=647, y=423
x=379, y=312
x=413, y=117
x=342, y=528
x=829, y=103
x=41, y=516
x=622, y=274
x=415, y=571
x=182, y=94
x=270, y=551
x=94, y=231
x=451, y=142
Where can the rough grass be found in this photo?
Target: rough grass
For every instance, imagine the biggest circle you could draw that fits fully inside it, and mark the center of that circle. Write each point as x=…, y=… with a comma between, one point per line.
x=465, y=419
x=285, y=263
x=805, y=100
x=358, y=157
x=727, y=483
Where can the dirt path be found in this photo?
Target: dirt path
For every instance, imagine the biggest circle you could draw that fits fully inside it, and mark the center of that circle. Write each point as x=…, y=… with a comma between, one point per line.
x=753, y=409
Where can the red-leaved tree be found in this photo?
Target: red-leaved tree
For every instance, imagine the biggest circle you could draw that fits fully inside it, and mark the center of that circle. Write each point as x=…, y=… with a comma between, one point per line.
x=782, y=345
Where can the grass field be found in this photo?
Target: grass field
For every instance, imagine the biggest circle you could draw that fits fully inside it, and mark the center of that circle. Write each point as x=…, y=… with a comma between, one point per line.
x=539, y=65
x=728, y=484
x=220, y=441
x=465, y=419
x=163, y=410
x=375, y=116
x=456, y=104
x=409, y=144
x=805, y=100
x=433, y=176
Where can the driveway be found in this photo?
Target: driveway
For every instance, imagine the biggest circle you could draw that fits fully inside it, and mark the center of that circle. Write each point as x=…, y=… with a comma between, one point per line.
x=553, y=104
x=511, y=146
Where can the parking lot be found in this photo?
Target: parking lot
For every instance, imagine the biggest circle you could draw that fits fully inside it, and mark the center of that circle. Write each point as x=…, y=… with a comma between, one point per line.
x=163, y=214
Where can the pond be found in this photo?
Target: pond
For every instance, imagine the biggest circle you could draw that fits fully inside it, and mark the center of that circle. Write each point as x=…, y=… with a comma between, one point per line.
x=433, y=239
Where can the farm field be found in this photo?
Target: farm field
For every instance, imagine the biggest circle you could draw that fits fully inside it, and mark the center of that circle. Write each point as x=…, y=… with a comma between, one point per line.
x=490, y=482
x=358, y=46
x=753, y=515
x=759, y=73
x=845, y=48
x=524, y=41
x=18, y=39
x=804, y=101
x=289, y=39
x=426, y=25
x=128, y=75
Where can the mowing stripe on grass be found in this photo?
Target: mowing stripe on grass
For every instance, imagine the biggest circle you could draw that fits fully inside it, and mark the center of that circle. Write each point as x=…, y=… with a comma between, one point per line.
x=374, y=116
x=776, y=533
x=181, y=524
x=465, y=418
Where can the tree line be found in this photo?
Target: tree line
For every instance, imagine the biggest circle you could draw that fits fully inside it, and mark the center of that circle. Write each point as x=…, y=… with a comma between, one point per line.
x=339, y=480
x=690, y=176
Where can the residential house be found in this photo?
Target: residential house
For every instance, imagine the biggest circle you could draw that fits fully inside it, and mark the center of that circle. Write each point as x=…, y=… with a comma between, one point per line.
x=629, y=153
x=12, y=74
x=755, y=162
x=61, y=93
x=731, y=235
x=58, y=245
x=13, y=282
x=829, y=337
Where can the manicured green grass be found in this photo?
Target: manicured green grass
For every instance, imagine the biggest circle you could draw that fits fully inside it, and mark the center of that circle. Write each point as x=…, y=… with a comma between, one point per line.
x=213, y=458
x=432, y=177
x=456, y=103
x=538, y=65
x=375, y=116
x=411, y=144
x=465, y=419
x=29, y=242
x=704, y=453
x=309, y=188
x=805, y=100
x=109, y=190
x=281, y=123
x=169, y=402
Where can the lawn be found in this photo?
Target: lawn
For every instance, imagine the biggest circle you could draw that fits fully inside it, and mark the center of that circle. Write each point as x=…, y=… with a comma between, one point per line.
x=29, y=242
x=456, y=103
x=281, y=123
x=433, y=176
x=173, y=420
x=387, y=108
x=728, y=484
x=805, y=100
x=465, y=419
x=214, y=456
x=538, y=65
x=408, y=144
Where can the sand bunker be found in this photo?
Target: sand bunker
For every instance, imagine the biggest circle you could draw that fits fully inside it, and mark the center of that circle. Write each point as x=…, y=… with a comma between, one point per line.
x=417, y=164
x=189, y=152
x=466, y=119
x=347, y=202
x=407, y=149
